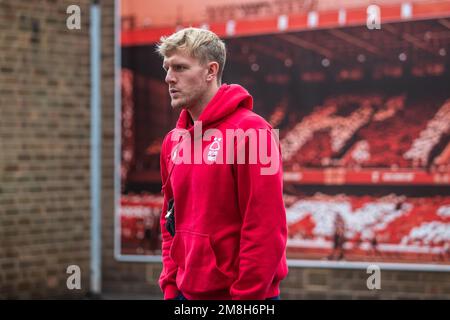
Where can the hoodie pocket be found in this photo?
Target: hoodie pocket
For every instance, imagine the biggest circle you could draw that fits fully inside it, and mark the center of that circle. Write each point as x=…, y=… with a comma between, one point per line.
x=197, y=264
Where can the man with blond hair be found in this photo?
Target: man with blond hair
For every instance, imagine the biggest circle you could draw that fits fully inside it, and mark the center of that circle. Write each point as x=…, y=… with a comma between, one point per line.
x=223, y=221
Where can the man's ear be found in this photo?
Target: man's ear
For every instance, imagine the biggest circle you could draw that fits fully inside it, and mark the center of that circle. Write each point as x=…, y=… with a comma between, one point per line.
x=213, y=69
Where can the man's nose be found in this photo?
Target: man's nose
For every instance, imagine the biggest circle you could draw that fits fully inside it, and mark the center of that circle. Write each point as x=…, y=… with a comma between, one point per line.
x=169, y=77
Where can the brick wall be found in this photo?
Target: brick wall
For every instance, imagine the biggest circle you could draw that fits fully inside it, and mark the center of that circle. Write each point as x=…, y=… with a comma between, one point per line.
x=331, y=284
x=44, y=143
x=351, y=284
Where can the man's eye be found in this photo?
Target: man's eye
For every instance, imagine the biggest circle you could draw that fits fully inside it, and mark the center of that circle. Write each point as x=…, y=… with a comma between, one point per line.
x=179, y=68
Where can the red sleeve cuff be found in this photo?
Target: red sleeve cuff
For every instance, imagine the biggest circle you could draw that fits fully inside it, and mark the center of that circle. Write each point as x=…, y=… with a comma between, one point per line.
x=171, y=292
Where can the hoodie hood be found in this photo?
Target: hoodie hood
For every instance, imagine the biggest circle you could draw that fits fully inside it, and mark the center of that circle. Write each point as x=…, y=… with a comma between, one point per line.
x=227, y=99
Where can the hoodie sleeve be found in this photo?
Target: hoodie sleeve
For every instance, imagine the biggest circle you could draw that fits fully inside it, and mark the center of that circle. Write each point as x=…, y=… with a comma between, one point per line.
x=167, y=279
x=264, y=230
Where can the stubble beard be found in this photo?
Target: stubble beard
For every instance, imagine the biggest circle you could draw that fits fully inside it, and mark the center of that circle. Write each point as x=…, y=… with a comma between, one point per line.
x=176, y=106
x=187, y=102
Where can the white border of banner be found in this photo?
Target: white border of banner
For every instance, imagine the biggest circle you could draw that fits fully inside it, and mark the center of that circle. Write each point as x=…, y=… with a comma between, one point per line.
x=319, y=264
x=117, y=127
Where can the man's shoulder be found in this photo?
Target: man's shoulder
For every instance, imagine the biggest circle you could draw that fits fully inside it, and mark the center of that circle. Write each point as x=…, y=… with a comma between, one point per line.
x=245, y=119
x=169, y=134
x=167, y=139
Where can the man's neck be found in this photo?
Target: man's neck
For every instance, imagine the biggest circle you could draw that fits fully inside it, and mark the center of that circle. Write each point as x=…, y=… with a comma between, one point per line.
x=197, y=110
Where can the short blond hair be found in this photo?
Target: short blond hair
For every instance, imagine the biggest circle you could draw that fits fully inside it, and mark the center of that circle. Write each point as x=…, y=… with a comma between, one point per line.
x=201, y=44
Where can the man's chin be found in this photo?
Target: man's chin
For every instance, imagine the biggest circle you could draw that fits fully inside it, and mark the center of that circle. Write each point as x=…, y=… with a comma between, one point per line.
x=176, y=105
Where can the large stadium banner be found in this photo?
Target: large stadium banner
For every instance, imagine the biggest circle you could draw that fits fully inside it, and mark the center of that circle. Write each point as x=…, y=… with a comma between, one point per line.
x=363, y=112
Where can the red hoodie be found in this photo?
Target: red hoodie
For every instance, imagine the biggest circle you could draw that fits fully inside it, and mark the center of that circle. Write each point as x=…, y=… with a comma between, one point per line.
x=230, y=219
